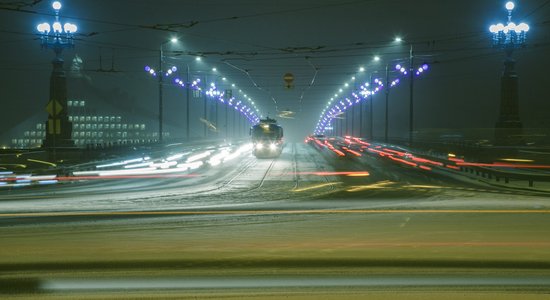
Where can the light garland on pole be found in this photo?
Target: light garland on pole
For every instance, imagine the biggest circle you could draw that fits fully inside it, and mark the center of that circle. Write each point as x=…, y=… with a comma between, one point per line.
x=249, y=111
x=363, y=93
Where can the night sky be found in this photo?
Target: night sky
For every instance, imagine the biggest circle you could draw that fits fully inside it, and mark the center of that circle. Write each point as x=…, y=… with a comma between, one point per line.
x=253, y=43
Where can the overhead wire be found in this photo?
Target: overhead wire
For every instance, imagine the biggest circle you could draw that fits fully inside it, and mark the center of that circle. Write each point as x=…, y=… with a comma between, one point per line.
x=256, y=85
x=270, y=13
x=536, y=10
x=310, y=85
x=345, y=50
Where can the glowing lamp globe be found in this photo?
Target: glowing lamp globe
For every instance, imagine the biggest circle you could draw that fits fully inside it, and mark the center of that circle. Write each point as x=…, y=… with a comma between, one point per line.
x=44, y=28
x=57, y=27
x=523, y=27
x=56, y=5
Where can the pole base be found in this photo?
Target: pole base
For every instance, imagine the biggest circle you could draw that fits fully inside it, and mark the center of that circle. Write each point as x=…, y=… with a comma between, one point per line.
x=509, y=133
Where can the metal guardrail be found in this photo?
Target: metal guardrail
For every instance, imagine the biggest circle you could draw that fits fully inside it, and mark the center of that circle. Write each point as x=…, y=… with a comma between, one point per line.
x=501, y=174
x=438, y=151
x=506, y=176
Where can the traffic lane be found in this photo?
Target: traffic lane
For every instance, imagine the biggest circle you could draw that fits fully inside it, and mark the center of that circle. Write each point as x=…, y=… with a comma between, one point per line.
x=123, y=184
x=198, y=181
x=279, y=186
x=369, y=198
x=392, y=176
x=125, y=194
x=382, y=168
x=428, y=239
x=235, y=183
x=309, y=167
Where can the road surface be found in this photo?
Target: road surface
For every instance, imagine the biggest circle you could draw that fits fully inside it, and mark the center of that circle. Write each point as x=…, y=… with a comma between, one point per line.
x=267, y=228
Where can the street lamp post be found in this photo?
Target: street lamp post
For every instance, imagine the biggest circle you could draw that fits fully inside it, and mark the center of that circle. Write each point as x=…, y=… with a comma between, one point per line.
x=217, y=118
x=228, y=96
x=57, y=37
x=372, y=82
x=411, y=91
x=187, y=104
x=352, y=121
x=387, y=85
x=411, y=94
x=361, y=104
x=205, y=108
x=510, y=37
x=371, y=114
x=387, y=92
x=161, y=79
x=376, y=59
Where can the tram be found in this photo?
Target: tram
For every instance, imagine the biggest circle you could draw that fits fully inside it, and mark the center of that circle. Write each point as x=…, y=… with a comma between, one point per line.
x=267, y=138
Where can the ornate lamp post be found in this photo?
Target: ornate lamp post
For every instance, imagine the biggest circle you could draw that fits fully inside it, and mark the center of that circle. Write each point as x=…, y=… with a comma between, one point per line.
x=57, y=37
x=509, y=37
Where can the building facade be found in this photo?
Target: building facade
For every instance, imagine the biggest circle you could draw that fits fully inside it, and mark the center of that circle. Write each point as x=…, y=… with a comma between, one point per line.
x=91, y=130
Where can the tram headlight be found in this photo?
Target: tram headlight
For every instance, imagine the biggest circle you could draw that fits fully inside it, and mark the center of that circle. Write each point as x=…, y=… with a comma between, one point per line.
x=272, y=146
x=259, y=146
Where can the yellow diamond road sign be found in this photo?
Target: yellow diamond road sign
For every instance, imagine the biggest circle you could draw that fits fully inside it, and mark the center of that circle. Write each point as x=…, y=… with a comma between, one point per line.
x=54, y=108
